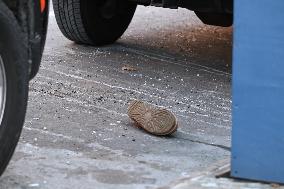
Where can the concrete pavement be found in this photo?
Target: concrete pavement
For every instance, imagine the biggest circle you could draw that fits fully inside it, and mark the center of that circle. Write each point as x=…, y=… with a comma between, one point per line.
x=77, y=133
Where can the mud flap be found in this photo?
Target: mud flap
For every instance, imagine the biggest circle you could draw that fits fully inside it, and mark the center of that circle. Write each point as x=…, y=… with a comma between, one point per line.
x=37, y=34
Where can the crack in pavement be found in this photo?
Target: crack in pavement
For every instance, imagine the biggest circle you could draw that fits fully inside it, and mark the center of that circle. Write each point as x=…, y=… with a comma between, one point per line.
x=206, y=143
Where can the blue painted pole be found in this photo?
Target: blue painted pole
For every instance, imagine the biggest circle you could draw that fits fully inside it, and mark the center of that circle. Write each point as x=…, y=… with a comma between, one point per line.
x=258, y=90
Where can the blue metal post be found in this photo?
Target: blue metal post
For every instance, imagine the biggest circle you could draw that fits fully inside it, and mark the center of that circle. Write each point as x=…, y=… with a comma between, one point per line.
x=258, y=90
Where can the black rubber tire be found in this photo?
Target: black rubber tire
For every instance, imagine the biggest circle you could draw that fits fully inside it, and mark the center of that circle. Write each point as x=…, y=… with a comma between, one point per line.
x=82, y=21
x=15, y=60
x=215, y=19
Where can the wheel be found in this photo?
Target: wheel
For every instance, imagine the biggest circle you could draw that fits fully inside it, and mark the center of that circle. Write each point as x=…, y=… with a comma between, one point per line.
x=215, y=19
x=13, y=84
x=94, y=22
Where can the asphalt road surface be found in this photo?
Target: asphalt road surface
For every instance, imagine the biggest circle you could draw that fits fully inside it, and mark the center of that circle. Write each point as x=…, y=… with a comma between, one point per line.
x=77, y=133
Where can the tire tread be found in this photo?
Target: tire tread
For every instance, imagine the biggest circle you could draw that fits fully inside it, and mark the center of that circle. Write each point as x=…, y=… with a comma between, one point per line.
x=69, y=20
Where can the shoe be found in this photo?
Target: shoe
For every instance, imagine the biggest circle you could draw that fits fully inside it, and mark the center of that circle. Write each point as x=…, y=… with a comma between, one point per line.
x=156, y=121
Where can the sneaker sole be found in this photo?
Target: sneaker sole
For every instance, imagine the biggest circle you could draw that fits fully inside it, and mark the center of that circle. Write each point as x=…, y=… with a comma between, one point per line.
x=154, y=120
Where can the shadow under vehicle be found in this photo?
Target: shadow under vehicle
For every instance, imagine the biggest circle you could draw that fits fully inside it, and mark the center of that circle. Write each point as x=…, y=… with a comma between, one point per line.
x=102, y=22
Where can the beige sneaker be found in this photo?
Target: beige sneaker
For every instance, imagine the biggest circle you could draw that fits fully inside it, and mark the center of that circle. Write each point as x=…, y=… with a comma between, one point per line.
x=154, y=120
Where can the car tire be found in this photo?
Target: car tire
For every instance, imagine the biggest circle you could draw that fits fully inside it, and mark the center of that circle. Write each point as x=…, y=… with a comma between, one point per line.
x=13, y=84
x=93, y=22
x=215, y=19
